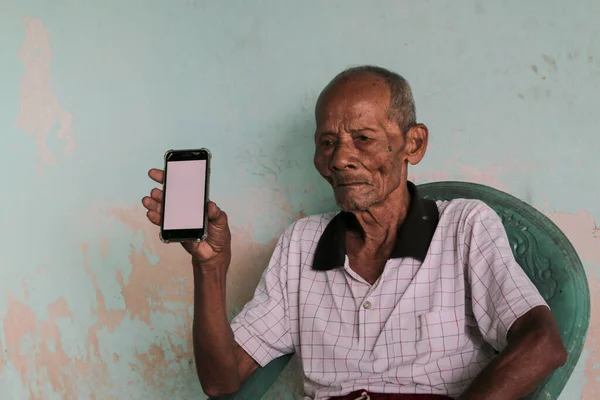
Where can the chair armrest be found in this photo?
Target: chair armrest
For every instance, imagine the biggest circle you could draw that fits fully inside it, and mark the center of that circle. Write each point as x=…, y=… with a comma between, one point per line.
x=261, y=380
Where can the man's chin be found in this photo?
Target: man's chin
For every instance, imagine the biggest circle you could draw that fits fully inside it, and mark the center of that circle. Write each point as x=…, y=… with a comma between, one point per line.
x=353, y=205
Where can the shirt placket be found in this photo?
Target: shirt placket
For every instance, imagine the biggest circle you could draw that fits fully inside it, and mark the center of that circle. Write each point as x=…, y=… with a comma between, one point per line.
x=366, y=301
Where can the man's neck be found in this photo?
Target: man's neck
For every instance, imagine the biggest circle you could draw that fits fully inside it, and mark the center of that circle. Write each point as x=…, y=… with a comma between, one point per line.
x=379, y=224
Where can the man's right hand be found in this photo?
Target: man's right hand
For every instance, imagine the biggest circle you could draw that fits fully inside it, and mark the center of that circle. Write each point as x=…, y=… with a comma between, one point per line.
x=215, y=251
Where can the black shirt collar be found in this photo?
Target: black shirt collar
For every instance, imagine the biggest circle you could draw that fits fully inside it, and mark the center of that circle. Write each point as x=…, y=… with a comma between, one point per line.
x=413, y=240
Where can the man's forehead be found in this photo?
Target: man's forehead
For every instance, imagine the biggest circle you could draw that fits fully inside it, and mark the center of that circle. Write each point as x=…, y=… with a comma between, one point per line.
x=363, y=85
x=352, y=111
x=357, y=97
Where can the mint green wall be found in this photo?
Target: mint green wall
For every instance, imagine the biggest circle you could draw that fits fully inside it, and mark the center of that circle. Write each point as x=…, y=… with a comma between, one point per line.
x=93, y=93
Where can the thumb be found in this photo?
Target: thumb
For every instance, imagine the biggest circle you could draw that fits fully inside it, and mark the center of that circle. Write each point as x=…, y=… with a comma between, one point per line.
x=218, y=234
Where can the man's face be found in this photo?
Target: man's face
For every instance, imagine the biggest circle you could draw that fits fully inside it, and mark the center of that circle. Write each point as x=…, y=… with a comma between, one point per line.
x=359, y=150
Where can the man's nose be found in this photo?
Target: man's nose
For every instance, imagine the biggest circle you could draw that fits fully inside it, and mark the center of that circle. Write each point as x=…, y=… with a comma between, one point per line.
x=343, y=158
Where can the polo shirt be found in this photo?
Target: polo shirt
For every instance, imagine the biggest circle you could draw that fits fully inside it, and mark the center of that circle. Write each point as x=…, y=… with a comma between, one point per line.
x=436, y=316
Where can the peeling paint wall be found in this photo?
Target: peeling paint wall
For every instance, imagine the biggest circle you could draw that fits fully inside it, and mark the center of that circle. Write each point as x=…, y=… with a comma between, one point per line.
x=94, y=306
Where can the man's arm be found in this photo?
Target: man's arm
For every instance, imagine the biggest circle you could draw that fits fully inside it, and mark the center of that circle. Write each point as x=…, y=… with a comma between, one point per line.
x=222, y=365
x=228, y=353
x=511, y=314
x=534, y=350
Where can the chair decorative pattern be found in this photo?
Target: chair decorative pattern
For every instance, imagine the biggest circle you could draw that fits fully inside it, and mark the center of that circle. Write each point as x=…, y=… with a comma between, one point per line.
x=530, y=255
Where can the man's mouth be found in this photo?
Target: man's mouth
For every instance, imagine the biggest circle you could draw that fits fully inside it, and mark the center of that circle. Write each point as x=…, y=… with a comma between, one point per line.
x=351, y=184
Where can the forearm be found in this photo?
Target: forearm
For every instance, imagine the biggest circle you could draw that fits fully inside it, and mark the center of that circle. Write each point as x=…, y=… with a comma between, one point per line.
x=519, y=369
x=214, y=344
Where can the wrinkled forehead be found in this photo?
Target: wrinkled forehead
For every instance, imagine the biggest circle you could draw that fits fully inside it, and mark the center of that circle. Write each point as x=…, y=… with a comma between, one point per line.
x=358, y=98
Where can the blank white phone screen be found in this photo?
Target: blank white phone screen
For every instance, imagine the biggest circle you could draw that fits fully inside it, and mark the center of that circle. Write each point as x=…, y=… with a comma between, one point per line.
x=184, y=199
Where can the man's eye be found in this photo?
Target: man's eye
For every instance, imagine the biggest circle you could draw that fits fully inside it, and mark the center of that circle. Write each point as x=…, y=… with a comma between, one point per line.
x=327, y=143
x=364, y=138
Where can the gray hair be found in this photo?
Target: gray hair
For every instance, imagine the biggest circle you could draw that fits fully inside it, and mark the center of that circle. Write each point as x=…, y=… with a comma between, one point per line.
x=402, y=105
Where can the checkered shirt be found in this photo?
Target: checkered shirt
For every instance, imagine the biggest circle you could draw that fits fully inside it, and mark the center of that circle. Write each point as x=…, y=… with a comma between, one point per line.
x=422, y=327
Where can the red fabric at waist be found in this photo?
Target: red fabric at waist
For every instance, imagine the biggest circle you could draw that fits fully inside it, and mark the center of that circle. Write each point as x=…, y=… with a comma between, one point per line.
x=391, y=396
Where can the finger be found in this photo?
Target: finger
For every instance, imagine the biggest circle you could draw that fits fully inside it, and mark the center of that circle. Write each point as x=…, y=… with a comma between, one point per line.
x=217, y=229
x=157, y=175
x=151, y=205
x=157, y=195
x=153, y=217
x=216, y=215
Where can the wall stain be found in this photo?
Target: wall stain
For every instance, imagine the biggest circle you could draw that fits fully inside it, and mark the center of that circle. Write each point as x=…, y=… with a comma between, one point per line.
x=108, y=319
x=149, y=287
x=149, y=290
x=155, y=368
x=35, y=350
x=580, y=227
x=489, y=176
x=39, y=107
x=550, y=61
x=594, y=51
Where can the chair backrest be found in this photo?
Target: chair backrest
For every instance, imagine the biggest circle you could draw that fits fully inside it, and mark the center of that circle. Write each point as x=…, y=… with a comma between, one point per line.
x=548, y=258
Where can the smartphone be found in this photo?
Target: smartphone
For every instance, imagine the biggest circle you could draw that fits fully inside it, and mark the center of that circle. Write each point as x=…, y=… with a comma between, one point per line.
x=185, y=195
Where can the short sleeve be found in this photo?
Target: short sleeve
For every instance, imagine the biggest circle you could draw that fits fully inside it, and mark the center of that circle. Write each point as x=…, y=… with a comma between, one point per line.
x=501, y=292
x=262, y=328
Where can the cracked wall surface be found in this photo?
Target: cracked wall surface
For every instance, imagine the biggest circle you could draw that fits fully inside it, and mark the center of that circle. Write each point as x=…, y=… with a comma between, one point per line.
x=94, y=306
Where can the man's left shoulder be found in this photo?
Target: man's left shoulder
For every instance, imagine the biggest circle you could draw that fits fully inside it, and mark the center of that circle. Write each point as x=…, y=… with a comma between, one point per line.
x=464, y=210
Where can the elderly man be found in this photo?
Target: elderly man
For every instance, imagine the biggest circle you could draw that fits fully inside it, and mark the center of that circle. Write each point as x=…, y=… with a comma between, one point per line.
x=394, y=297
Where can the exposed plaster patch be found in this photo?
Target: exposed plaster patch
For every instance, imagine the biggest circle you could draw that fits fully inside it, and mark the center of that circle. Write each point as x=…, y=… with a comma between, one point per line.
x=40, y=110
x=583, y=233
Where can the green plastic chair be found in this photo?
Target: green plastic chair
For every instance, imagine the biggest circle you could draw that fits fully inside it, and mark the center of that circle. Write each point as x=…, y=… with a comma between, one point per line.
x=546, y=255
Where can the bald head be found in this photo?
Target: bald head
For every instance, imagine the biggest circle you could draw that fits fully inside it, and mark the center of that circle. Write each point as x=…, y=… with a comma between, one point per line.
x=401, y=107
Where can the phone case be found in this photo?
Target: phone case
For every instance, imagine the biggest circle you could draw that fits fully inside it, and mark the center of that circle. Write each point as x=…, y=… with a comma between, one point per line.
x=208, y=172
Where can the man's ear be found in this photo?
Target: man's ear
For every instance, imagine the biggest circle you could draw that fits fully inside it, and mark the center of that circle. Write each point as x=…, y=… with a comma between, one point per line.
x=417, y=138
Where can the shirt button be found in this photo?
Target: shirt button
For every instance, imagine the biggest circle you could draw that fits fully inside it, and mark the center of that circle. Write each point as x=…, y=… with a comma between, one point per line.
x=367, y=305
